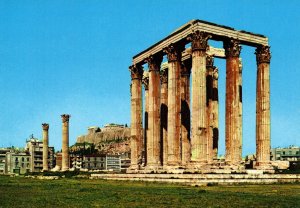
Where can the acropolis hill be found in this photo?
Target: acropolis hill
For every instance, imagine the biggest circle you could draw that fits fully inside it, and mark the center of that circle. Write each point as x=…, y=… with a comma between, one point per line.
x=112, y=138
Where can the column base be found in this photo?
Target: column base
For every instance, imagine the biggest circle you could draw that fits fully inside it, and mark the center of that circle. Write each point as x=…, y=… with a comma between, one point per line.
x=153, y=167
x=263, y=166
x=64, y=169
x=134, y=167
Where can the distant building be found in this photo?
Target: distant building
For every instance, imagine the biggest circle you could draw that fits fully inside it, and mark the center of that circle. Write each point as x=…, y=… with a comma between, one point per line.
x=94, y=162
x=18, y=163
x=35, y=149
x=3, y=152
x=291, y=153
x=76, y=161
x=113, y=162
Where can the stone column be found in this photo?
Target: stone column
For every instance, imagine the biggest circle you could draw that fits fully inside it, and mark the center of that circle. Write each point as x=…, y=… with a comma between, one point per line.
x=164, y=115
x=215, y=112
x=263, y=135
x=153, y=141
x=210, y=107
x=136, y=116
x=199, y=110
x=233, y=98
x=65, y=143
x=185, y=112
x=174, y=65
x=45, y=146
x=146, y=87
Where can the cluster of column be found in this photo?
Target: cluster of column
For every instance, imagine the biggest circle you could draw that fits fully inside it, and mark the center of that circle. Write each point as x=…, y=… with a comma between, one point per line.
x=183, y=130
x=65, y=144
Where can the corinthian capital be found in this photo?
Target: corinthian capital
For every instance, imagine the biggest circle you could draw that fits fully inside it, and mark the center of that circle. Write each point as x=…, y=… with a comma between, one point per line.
x=263, y=54
x=65, y=117
x=232, y=48
x=45, y=126
x=199, y=40
x=154, y=62
x=164, y=75
x=174, y=52
x=136, y=72
x=145, y=80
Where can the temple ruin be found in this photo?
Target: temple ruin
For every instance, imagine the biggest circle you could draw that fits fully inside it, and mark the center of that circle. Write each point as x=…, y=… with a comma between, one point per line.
x=179, y=128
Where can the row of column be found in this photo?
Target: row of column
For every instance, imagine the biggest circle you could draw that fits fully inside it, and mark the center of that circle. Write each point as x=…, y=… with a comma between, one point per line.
x=65, y=143
x=168, y=117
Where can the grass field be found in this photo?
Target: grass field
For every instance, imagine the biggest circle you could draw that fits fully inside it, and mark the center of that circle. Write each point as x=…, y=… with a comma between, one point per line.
x=26, y=192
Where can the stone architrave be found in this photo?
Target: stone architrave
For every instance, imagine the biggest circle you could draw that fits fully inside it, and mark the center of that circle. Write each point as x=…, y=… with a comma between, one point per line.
x=263, y=137
x=45, y=127
x=65, y=161
x=146, y=94
x=199, y=138
x=185, y=112
x=153, y=140
x=164, y=115
x=233, y=108
x=174, y=66
x=136, y=72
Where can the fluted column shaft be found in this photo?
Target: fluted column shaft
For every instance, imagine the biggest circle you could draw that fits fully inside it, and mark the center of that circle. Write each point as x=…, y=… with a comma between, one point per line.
x=199, y=111
x=233, y=98
x=45, y=146
x=215, y=112
x=65, y=163
x=164, y=115
x=263, y=135
x=174, y=66
x=210, y=107
x=146, y=132
x=136, y=116
x=153, y=140
x=185, y=112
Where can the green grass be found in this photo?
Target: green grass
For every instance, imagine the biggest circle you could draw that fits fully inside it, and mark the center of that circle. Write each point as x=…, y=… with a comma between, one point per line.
x=68, y=192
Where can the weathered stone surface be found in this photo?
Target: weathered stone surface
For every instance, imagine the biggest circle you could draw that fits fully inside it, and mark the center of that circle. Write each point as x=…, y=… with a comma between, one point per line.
x=263, y=57
x=65, y=142
x=199, y=137
x=185, y=112
x=174, y=66
x=164, y=115
x=45, y=146
x=233, y=107
x=153, y=139
x=136, y=116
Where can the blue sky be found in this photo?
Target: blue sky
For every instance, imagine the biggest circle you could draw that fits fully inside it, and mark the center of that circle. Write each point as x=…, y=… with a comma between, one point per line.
x=72, y=57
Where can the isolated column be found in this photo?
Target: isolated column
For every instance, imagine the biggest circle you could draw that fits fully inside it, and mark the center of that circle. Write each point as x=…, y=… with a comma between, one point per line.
x=233, y=97
x=185, y=112
x=174, y=65
x=263, y=137
x=65, y=142
x=146, y=94
x=136, y=116
x=45, y=146
x=164, y=115
x=199, y=111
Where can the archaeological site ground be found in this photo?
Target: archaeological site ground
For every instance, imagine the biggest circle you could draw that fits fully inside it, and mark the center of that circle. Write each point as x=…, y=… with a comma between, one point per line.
x=68, y=192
